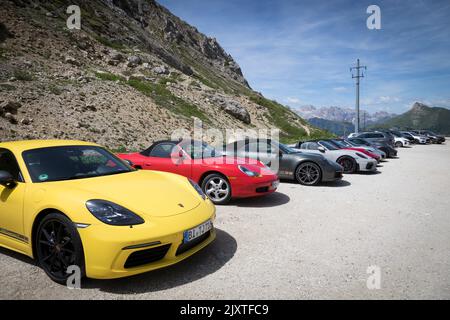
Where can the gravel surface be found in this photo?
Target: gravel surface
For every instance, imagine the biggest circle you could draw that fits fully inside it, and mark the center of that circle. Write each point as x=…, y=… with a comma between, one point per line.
x=301, y=243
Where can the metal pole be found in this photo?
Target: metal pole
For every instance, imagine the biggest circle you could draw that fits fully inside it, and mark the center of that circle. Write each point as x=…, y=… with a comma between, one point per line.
x=357, y=97
x=358, y=76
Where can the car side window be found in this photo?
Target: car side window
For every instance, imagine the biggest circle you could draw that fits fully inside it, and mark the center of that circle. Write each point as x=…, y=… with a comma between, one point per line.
x=162, y=150
x=313, y=146
x=9, y=163
x=378, y=135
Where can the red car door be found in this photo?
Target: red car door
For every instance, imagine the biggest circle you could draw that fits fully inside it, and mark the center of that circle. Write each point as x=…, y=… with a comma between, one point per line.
x=168, y=157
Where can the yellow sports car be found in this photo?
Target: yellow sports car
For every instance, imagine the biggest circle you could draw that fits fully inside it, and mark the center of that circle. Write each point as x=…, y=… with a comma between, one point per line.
x=71, y=203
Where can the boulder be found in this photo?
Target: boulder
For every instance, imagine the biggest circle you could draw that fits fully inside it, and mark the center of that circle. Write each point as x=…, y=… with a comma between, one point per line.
x=161, y=70
x=72, y=61
x=233, y=108
x=134, y=61
x=9, y=107
x=11, y=118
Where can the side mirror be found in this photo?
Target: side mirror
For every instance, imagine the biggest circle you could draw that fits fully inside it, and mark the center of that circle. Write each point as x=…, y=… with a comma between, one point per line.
x=321, y=149
x=128, y=162
x=7, y=180
x=280, y=153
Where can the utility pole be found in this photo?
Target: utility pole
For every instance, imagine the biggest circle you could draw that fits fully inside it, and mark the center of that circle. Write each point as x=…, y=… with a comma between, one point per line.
x=358, y=75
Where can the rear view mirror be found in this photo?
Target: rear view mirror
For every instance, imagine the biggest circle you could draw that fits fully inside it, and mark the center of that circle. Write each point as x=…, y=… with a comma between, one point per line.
x=7, y=180
x=321, y=149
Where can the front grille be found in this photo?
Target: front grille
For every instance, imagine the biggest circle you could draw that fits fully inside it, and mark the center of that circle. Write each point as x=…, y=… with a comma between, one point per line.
x=193, y=243
x=338, y=175
x=369, y=166
x=262, y=189
x=142, y=257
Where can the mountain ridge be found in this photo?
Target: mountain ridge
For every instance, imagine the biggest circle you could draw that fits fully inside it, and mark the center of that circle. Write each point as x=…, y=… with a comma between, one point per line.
x=421, y=116
x=131, y=75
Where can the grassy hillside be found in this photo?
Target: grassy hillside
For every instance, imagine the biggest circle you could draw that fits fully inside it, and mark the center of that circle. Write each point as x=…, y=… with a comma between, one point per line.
x=421, y=116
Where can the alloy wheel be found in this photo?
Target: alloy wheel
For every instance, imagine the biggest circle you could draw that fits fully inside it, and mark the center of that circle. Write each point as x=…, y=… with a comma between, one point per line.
x=55, y=247
x=308, y=174
x=217, y=189
x=347, y=164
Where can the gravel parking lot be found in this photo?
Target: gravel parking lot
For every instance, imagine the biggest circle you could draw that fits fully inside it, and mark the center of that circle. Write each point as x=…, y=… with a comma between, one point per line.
x=301, y=243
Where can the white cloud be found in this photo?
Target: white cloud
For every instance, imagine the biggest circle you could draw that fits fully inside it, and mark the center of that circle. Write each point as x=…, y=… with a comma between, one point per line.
x=292, y=100
x=340, y=89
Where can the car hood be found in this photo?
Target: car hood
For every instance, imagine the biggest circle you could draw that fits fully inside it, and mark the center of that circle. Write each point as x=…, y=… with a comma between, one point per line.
x=147, y=193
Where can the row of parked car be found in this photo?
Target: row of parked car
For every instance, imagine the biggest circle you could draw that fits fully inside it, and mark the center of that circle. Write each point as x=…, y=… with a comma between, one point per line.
x=74, y=203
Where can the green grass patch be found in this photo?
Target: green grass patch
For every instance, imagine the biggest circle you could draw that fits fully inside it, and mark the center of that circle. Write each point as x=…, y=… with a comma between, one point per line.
x=56, y=90
x=110, y=44
x=109, y=76
x=164, y=98
x=7, y=87
x=278, y=114
x=22, y=75
x=160, y=94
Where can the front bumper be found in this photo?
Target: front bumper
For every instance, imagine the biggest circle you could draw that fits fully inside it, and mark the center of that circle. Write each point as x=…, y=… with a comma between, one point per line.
x=245, y=187
x=332, y=171
x=367, y=164
x=107, y=248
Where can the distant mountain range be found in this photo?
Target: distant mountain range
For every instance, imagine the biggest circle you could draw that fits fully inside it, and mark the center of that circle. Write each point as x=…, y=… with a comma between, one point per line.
x=339, y=128
x=341, y=114
x=421, y=116
x=340, y=120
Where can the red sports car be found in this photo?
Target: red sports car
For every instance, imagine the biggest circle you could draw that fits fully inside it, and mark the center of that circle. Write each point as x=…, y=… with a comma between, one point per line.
x=220, y=177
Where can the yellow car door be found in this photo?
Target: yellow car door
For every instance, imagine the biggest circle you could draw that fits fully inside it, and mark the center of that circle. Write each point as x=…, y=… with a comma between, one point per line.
x=11, y=204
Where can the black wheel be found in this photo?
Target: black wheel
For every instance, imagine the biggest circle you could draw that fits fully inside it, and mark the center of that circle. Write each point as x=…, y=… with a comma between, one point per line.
x=217, y=188
x=398, y=144
x=308, y=174
x=58, y=246
x=348, y=163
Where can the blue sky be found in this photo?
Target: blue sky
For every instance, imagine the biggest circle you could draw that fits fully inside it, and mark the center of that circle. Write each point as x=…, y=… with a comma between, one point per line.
x=299, y=52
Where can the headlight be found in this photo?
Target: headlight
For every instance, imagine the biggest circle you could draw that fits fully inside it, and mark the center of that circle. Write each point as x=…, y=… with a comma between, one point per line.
x=198, y=189
x=113, y=214
x=248, y=172
x=361, y=155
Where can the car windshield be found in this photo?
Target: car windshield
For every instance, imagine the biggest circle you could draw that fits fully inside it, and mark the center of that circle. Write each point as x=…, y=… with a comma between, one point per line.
x=285, y=149
x=329, y=145
x=342, y=143
x=71, y=162
x=359, y=142
x=200, y=150
x=397, y=134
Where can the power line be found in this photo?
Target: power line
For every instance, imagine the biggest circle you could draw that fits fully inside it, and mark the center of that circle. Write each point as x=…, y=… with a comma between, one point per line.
x=359, y=75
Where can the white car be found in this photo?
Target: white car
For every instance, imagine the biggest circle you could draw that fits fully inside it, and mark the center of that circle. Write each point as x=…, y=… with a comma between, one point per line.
x=348, y=144
x=419, y=138
x=401, y=142
x=351, y=161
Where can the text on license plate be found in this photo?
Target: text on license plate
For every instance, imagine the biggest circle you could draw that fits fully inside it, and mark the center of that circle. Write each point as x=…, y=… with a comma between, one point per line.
x=196, y=232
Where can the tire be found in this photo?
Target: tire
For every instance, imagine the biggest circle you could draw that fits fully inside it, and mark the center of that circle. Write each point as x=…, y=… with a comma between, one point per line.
x=398, y=144
x=58, y=246
x=217, y=188
x=308, y=174
x=348, y=163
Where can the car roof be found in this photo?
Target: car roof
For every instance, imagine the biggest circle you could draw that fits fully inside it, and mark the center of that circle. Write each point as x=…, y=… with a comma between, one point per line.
x=20, y=146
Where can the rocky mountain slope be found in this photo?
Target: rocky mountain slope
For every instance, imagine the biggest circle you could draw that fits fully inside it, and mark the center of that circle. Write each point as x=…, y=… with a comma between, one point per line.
x=341, y=114
x=131, y=75
x=421, y=116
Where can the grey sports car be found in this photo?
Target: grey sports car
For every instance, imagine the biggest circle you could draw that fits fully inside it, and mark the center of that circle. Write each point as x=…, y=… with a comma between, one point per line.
x=305, y=168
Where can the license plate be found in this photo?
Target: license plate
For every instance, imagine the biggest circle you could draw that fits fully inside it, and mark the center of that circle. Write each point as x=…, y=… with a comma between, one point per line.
x=275, y=184
x=196, y=232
